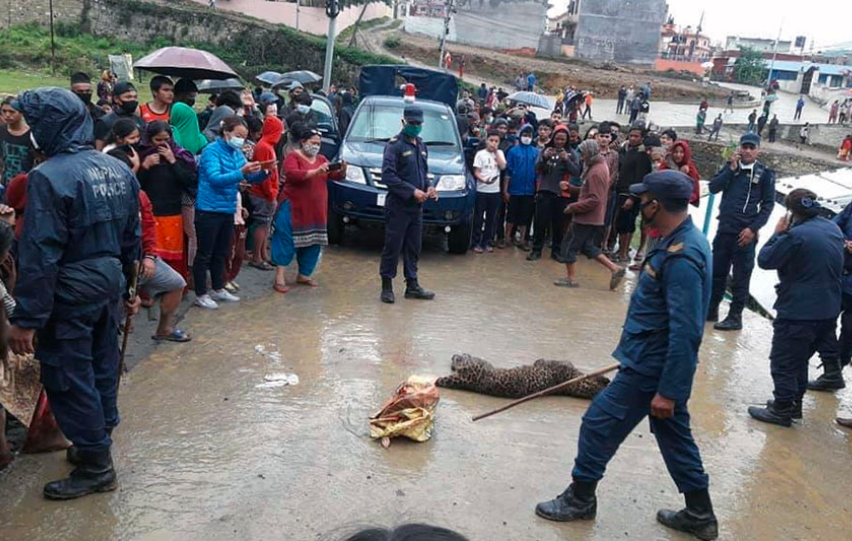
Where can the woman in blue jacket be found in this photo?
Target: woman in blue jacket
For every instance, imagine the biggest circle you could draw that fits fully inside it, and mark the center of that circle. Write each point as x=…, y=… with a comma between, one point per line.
x=220, y=171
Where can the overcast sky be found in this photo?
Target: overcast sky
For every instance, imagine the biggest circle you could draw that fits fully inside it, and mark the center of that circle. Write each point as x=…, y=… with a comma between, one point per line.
x=810, y=18
x=761, y=18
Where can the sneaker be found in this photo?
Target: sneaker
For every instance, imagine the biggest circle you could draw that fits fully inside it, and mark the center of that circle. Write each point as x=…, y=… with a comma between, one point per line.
x=477, y=250
x=223, y=296
x=206, y=302
x=489, y=249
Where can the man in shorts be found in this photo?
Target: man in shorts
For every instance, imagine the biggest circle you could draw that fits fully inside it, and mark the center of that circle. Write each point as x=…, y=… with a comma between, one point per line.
x=587, y=227
x=158, y=279
x=519, y=190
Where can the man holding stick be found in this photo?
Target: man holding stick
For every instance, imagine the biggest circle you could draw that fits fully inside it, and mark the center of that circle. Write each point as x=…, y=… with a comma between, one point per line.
x=658, y=353
x=77, y=252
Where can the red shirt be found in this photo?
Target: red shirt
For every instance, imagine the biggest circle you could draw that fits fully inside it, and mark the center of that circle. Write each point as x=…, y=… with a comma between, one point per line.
x=150, y=116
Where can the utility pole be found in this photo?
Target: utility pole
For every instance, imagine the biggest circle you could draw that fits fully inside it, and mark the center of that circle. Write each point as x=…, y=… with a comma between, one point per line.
x=298, y=6
x=332, y=9
x=52, y=42
x=446, y=31
x=774, y=54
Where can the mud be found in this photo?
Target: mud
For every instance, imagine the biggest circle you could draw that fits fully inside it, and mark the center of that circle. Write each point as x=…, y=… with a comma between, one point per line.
x=207, y=451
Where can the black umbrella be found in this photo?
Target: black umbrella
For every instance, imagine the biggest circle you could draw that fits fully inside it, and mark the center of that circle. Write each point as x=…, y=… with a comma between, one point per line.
x=302, y=76
x=187, y=63
x=268, y=78
x=212, y=86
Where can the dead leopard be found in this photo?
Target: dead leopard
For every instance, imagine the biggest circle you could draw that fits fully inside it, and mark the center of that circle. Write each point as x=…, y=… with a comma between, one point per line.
x=479, y=376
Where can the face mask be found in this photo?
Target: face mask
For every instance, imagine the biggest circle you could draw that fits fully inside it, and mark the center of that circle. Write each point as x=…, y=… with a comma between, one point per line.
x=85, y=96
x=412, y=130
x=526, y=140
x=649, y=220
x=236, y=142
x=303, y=109
x=129, y=107
x=311, y=150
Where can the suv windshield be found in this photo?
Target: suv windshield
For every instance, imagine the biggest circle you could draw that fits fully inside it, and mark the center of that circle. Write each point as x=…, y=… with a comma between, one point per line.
x=381, y=122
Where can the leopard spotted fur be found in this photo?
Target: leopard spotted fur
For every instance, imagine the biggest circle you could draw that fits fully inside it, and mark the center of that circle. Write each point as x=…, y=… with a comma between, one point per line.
x=479, y=376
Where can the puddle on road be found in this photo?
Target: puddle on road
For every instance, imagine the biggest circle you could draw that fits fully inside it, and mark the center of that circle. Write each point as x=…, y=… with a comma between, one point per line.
x=206, y=452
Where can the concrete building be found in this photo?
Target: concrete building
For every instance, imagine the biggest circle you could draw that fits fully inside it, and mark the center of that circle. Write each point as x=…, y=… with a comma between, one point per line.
x=686, y=44
x=618, y=31
x=733, y=43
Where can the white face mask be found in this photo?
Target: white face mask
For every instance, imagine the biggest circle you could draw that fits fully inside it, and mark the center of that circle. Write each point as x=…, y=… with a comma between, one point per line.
x=526, y=140
x=302, y=108
x=311, y=150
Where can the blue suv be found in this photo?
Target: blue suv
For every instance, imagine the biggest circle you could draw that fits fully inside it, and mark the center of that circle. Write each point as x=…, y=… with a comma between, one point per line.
x=360, y=198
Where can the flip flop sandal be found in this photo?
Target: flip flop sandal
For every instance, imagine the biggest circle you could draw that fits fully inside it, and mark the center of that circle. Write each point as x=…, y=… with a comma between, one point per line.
x=280, y=288
x=176, y=335
x=263, y=265
x=308, y=282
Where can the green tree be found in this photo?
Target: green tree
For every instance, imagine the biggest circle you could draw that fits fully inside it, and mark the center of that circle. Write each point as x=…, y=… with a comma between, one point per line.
x=749, y=68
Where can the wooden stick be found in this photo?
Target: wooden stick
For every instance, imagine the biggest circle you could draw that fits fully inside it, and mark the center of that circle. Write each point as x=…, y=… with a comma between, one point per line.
x=548, y=391
x=132, y=291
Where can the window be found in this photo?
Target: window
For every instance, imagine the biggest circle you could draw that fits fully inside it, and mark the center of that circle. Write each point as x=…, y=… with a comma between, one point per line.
x=323, y=114
x=383, y=122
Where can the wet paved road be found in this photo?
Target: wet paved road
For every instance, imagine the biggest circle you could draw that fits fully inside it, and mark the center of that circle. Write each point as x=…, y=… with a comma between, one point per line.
x=210, y=449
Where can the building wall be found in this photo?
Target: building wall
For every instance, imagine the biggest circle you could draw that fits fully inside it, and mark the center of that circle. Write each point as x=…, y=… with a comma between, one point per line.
x=618, y=31
x=507, y=25
x=664, y=64
x=15, y=12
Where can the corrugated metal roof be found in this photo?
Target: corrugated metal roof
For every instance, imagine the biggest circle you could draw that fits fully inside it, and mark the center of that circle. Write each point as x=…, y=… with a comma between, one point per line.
x=824, y=69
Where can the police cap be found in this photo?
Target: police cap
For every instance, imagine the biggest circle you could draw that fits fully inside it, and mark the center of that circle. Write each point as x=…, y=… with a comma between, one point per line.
x=750, y=139
x=413, y=114
x=668, y=184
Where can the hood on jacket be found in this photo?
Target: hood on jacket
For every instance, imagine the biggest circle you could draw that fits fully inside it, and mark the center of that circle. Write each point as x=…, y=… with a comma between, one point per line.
x=559, y=128
x=58, y=119
x=347, y=99
x=526, y=128
x=273, y=129
x=687, y=153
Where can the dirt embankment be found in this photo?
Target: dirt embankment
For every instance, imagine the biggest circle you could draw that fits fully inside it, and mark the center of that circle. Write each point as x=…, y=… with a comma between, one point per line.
x=602, y=79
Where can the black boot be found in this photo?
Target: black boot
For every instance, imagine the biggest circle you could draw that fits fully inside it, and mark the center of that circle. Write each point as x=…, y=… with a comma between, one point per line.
x=713, y=314
x=387, y=291
x=534, y=256
x=780, y=414
x=696, y=519
x=795, y=411
x=578, y=502
x=831, y=379
x=414, y=291
x=72, y=454
x=94, y=474
x=733, y=322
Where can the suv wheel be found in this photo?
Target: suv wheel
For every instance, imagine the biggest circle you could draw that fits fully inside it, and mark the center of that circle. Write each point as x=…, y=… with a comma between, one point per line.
x=458, y=239
x=335, y=227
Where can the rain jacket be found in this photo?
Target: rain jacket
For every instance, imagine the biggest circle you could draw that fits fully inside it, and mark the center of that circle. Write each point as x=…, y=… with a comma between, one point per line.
x=273, y=129
x=747, y=197
x=82, y=216
x=219, y=176
x=520, y=168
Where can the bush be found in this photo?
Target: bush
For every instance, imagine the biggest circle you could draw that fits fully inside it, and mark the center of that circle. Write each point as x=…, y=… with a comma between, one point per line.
x=392, y=42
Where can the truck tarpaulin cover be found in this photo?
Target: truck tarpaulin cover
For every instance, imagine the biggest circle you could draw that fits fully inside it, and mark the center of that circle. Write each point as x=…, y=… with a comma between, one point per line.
x=431, y=85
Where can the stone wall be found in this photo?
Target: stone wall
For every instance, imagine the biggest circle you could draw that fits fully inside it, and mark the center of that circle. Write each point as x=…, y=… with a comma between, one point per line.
x=15, y=12
x=708, y=158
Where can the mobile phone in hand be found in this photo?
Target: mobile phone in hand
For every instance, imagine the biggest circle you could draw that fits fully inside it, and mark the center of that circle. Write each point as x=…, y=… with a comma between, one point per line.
x=335, y=166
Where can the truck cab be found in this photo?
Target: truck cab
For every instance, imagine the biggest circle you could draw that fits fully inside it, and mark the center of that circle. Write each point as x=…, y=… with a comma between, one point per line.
x=360, y=197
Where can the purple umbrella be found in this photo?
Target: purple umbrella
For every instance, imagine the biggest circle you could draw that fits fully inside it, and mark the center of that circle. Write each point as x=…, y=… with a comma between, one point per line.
x=186, y=63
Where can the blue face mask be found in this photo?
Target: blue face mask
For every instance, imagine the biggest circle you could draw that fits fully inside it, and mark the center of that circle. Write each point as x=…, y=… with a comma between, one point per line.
x=237, y=142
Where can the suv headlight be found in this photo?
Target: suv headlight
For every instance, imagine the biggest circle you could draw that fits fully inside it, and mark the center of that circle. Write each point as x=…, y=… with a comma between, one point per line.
x=451, y=183
x=355, y=174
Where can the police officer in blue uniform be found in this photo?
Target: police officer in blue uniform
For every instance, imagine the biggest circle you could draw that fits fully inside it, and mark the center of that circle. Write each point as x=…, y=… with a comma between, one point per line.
x=807, y=251
x=748, y=197
x=404, y=172
x=658, y=352
x=832, y=377
x=81, y=240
